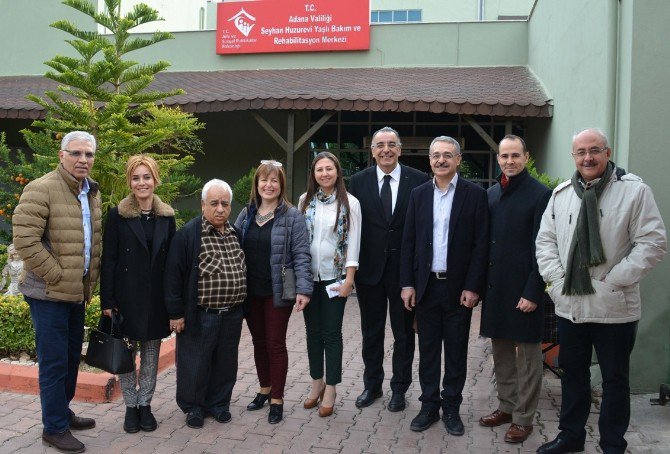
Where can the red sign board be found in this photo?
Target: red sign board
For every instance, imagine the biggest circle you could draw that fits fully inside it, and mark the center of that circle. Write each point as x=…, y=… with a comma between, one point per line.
x=261, y=26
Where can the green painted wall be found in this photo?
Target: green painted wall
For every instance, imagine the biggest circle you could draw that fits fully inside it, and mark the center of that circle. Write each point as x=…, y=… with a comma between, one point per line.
x=575, y=59
x=606, y=64
x=27, y=40
x=644, y=134
x=465, y=44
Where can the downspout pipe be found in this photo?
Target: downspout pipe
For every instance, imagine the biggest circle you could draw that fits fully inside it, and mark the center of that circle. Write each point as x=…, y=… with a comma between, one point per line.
x=480, y=10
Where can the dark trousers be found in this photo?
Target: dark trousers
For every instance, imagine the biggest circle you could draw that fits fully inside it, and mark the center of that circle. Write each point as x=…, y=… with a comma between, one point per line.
x=373, y=301
x=323, y=325
x=268, y=325
x=442, y=322
x=59, y=333
x=207, y=362
x=613, y=344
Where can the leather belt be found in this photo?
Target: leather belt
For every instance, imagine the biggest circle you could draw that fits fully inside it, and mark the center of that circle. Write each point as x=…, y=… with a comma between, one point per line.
x=219, y=311
x=441, y=275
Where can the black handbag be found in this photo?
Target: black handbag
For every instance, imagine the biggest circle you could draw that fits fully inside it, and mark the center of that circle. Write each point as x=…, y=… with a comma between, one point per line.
x=107, y=352
x=287, y=275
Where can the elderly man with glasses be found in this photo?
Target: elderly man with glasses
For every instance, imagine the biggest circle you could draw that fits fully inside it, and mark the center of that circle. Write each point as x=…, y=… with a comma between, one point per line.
x=444, y=259
x=57, y=232
x=600, y=235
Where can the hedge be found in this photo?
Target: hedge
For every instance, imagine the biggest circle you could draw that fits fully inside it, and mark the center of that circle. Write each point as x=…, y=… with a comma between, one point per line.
x=16, y=327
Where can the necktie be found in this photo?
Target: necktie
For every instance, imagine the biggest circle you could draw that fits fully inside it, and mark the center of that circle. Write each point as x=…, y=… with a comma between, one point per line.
x=386, y=197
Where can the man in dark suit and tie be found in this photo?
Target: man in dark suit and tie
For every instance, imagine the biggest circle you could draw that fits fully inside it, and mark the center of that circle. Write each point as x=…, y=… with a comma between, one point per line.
x=383, y=191
x=443, y=273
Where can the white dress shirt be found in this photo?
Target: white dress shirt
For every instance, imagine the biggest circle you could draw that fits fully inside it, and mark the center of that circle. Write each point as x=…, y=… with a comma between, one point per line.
x=324, y=240
x=394, y=182
x=442, y=202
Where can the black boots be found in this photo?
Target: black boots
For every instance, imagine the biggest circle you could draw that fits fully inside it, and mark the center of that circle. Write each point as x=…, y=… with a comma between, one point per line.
x=139, y=418
x=147, y=421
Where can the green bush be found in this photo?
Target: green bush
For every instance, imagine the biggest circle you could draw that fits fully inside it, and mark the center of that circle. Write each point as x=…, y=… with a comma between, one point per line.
x=543, y=177
x=242, y=188
x=16, y=327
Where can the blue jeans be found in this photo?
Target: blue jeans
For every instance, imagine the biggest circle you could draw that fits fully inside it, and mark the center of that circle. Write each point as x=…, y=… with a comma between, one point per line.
x=59, y=333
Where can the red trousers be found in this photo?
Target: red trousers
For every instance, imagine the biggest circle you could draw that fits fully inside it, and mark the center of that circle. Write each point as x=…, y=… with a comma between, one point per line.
x=268, y=330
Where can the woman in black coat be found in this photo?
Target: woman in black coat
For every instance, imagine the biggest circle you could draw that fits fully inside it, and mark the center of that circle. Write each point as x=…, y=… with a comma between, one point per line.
x=135, y=246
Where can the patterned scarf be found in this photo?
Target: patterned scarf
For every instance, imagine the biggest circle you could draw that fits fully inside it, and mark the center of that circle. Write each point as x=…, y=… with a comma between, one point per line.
x=586, y=249
x=342, y=227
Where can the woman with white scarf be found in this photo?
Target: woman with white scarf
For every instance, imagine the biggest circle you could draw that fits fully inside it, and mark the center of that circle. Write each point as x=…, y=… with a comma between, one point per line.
x=333, y=219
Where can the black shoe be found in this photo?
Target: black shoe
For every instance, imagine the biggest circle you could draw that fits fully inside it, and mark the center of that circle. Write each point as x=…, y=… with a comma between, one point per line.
x=424, y=420
x=194, y=419
x=77, y=423
x=367, y=397
x=397, y=402
x=560, y=446
x=131, y=423
x=258, y=402
x=64, y=442
x=276, y=413
x=453, y=424
x=147, y=421
x=223, y=416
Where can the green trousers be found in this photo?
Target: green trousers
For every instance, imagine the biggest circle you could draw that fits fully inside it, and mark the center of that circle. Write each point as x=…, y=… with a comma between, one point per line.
x=323, y=323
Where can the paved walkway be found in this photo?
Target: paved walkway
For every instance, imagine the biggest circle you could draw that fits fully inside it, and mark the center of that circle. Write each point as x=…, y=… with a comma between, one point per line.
x=349, y=430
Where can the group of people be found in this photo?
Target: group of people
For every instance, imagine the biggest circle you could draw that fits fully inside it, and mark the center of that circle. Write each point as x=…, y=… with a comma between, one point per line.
x=425, y=250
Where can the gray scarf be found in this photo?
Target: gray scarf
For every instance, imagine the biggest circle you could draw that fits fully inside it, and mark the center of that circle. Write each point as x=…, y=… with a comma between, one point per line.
x=586, y=249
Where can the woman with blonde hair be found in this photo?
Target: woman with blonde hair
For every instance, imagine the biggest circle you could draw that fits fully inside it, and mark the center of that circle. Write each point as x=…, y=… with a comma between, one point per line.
x=274, y=237
x=334, y=225
x=136, y=239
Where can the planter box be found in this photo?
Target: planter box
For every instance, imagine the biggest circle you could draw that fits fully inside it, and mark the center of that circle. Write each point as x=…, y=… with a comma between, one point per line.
x=91, y=386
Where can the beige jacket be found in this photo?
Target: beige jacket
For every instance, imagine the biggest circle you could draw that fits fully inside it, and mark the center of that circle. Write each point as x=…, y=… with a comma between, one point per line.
x=49, y=237
x=634, y=241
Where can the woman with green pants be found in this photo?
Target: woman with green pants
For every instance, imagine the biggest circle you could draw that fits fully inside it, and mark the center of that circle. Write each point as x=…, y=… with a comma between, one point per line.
x=333, y=219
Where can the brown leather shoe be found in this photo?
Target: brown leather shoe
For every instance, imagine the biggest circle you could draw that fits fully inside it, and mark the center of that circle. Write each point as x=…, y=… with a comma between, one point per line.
x=495, y=419
x=517, y=433
x=64, y=442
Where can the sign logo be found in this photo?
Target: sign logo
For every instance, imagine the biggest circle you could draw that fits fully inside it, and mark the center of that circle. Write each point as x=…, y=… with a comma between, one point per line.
x=243, y=21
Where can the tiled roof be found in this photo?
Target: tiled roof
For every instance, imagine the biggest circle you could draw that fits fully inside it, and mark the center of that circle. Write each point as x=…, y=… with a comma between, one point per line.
x=497, y=91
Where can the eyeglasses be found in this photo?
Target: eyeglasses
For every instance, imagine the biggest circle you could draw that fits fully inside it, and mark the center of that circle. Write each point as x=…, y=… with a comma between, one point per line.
x=381, y=145
x=271, y=162
x=595, y=151
x=447, y=155
x=78, y=154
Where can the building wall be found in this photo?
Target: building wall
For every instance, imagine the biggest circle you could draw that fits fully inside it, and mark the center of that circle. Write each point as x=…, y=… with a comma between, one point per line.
x=458, y=10
x=576, y=61
x=27, y=40
x=453, y=44
x=643, y=135
x=184, y=15
x=605, y=64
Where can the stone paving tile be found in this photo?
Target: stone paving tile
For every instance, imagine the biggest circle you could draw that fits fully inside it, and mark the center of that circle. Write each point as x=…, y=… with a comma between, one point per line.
x=350, y=430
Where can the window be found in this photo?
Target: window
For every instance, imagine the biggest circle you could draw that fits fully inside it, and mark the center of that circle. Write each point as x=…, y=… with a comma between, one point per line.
x=414, y=15
x=397, y=16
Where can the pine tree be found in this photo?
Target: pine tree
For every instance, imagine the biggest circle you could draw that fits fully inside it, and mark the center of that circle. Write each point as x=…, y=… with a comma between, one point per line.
x=105, y=93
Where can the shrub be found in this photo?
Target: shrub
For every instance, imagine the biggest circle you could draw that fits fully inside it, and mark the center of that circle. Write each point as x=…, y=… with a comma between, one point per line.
x=242, y=188
x=16, y=327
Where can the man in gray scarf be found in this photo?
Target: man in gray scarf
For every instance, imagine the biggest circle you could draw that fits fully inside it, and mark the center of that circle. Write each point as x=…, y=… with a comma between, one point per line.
x=600, y=235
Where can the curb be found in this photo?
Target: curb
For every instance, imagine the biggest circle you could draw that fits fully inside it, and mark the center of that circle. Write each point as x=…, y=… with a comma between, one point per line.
x=91, y=387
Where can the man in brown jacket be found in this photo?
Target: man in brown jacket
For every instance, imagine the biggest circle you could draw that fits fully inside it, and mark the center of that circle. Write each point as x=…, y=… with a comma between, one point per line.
x=57, y=232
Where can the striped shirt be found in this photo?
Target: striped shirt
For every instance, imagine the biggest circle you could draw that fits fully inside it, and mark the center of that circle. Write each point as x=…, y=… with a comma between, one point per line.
x=222, y=279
